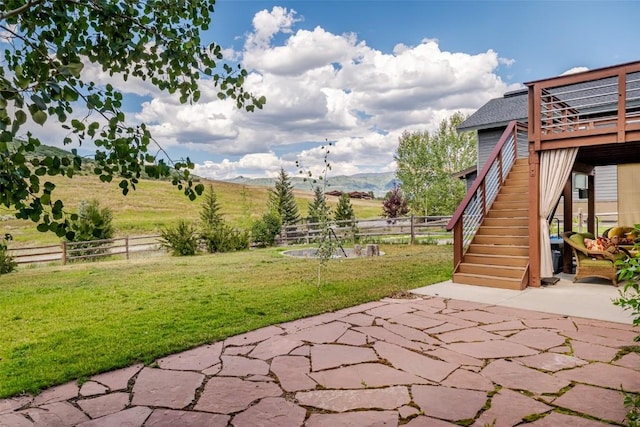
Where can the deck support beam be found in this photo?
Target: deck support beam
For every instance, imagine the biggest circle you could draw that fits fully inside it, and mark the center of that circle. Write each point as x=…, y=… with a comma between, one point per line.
x=567, y=194
x=534, y=216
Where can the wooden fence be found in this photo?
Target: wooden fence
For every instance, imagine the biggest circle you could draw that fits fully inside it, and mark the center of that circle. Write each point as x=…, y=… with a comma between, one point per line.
x=73, y=251
x=409, y=228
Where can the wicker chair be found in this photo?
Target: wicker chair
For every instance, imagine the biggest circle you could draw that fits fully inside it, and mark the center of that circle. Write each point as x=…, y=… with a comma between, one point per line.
x=593, y=263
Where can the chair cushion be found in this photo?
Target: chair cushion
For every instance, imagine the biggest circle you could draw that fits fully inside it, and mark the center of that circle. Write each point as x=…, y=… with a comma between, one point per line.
x=591, y=262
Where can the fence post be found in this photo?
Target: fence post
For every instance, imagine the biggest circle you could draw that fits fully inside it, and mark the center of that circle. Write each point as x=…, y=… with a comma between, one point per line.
x=64, y=253
x=413, y=231
x=126, y=247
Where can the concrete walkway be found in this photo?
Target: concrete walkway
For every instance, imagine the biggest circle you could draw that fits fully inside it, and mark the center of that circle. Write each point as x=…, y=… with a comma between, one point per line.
x=417, y=361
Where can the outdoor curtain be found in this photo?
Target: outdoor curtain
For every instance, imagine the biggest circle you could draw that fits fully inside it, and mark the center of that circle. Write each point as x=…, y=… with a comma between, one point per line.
x=555, y=168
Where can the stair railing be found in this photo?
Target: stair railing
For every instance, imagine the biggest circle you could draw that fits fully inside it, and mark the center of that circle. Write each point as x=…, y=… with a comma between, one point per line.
x=471, y=212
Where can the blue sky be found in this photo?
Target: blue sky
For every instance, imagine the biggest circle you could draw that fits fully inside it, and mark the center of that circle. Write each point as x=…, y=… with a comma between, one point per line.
x=359, y=73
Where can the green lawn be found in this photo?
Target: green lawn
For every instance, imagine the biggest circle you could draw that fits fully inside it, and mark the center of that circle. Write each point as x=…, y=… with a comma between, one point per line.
x=66, y=322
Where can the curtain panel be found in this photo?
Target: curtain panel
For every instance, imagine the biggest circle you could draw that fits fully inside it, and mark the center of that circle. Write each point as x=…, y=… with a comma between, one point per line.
x=555, y=168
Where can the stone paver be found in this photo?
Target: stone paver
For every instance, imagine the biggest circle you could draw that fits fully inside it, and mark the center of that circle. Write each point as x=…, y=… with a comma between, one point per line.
x=352, y=419
x=446, y=403
x=228, y=395
x=518, y=377
x=195, y=359
x=599, y=402
x=345, y=400
x=604, y=375
x=169, y=389
x=271, y=412
x=508, y=408
x=423, y=361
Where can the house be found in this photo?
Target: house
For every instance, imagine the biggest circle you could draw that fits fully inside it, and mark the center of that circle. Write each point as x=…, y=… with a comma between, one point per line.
x=534, y=147
x=492, y=119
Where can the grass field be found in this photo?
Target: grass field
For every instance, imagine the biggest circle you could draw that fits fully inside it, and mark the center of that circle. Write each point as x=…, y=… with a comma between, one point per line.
x=156, y=204
x=66, y=322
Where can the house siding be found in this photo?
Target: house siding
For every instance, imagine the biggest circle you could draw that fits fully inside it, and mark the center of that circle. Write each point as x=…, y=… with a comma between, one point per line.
x=487, y=140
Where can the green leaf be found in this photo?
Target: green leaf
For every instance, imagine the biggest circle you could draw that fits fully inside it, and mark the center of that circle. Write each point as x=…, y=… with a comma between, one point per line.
x=39, y=116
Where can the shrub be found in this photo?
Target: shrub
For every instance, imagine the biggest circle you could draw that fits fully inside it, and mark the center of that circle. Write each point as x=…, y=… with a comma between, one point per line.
x=92, y=222
x=224, y=238
x=7, y=263
x=265, y=230
x=181, y=239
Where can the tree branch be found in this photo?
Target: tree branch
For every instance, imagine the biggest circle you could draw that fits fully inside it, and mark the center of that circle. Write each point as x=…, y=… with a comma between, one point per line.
x=19, y=10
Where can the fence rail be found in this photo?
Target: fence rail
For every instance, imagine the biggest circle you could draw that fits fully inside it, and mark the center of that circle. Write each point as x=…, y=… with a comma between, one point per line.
x=410, y=228
x=407, y=227
x=72, y=251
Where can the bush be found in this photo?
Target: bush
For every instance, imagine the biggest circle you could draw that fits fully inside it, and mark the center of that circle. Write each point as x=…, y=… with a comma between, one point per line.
x=181, y=239
x=7, y=263
x=224, y=238
x=92, y=222
x=265, y=230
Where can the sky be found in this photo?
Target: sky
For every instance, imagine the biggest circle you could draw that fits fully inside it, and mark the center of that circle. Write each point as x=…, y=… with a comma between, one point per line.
x=358, y=73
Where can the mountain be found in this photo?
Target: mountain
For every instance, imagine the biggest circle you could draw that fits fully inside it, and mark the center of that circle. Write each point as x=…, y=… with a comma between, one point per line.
x=379, y=183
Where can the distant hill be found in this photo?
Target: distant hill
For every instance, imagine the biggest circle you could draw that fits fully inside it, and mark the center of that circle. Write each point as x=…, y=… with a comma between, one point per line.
x=379, y=183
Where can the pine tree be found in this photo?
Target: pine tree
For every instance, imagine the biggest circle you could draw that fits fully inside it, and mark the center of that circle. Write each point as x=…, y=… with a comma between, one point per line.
x=282, y=201
x=344, y=210
x=210, y=213
x=318, y=208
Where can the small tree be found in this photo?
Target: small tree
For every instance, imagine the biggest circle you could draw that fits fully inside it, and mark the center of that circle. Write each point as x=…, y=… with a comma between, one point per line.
x=265, y=230
x=282, y=200
x=318, y=208
x=181, y=239
x=210, y=212
x=395, y=204
x=216, y=235
x=92, y=222
x=344, y=209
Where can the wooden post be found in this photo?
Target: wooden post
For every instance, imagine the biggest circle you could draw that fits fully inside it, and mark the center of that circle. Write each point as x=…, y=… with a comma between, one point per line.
x=64, y=253
x=567, y=253
x=457, y=244
x=534, y=217
x=591, y=205
x=126, y=247
x=413, y=231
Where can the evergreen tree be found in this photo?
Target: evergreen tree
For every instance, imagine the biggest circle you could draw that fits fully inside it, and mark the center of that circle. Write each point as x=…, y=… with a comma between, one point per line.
x=318, y=208
x=344, y=210
x=210, y=213
x=282, y=201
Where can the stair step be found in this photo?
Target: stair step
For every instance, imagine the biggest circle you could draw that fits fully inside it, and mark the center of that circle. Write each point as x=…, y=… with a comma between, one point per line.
x=510, y=204
x=501, y=260
x=490, y=281
x=516, y=197
x=508, y=213
x=491, y=270
x=485, y=249
x=517, y=181
x=514, y=189
x=506, y=222
x=501, y=230
x=499, y=240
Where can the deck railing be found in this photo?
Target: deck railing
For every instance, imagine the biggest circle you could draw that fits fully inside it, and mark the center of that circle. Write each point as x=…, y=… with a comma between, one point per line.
x=470, y=213
x=601, y=106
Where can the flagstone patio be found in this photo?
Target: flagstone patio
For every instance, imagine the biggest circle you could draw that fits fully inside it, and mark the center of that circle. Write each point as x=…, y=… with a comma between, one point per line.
x=421, y=361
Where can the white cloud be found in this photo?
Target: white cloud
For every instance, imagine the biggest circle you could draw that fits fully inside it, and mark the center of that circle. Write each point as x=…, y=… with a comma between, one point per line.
x=323, y=86
x=575, y=70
